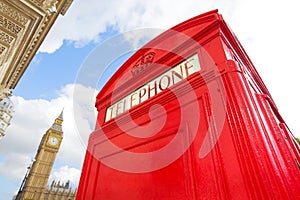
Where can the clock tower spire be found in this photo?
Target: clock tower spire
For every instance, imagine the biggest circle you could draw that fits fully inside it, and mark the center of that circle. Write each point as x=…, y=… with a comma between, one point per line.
x=57, y=125
x=35, y=181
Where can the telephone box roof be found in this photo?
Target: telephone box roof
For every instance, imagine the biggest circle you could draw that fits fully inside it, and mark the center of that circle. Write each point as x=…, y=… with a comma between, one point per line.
x=200, y=28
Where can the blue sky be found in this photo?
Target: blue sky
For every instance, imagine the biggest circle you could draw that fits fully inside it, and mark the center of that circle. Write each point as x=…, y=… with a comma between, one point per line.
x=268, y=34
x=48, y=72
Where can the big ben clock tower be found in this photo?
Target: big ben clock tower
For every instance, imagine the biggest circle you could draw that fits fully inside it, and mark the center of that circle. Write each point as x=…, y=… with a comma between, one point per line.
x=36, y=179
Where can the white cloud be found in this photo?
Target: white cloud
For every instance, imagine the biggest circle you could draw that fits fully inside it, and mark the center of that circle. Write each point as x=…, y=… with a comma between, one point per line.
x=84, y=21
x=66, y=173
x=33, y=118
x=11, y=165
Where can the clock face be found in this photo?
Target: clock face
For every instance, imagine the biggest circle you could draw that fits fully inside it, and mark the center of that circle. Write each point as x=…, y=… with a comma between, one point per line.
x=58, y=121
x=53, y=141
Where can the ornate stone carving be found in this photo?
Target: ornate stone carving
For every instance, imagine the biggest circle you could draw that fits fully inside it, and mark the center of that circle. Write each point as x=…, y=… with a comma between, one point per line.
x=38, y=2
x=23, y=26
x=50, y=6
x=4, y=92
x=9, y=25
x=5, y=38
x=13, y=13
x=2, y=49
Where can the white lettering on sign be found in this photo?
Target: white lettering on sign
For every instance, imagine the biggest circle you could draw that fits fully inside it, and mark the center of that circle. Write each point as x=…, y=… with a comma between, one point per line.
x=152, y=88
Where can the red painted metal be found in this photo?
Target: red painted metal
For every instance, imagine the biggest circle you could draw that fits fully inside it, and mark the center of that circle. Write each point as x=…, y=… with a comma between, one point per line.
x=252, y=155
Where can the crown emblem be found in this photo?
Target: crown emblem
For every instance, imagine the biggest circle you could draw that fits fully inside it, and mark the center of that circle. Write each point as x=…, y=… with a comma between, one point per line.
x=142, y=63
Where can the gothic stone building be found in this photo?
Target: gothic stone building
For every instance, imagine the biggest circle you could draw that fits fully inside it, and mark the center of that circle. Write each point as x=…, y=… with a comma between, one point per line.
x=23, y=26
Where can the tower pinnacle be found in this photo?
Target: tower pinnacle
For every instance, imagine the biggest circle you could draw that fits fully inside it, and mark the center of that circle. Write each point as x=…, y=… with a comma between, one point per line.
x=57, y=125
x=61, y=115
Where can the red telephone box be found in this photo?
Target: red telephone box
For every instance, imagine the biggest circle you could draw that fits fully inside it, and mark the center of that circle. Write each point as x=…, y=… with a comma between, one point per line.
x=188, y=117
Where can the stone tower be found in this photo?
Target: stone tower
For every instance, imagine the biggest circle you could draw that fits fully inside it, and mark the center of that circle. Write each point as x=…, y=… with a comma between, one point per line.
x=35, y=181
x=6, y=112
